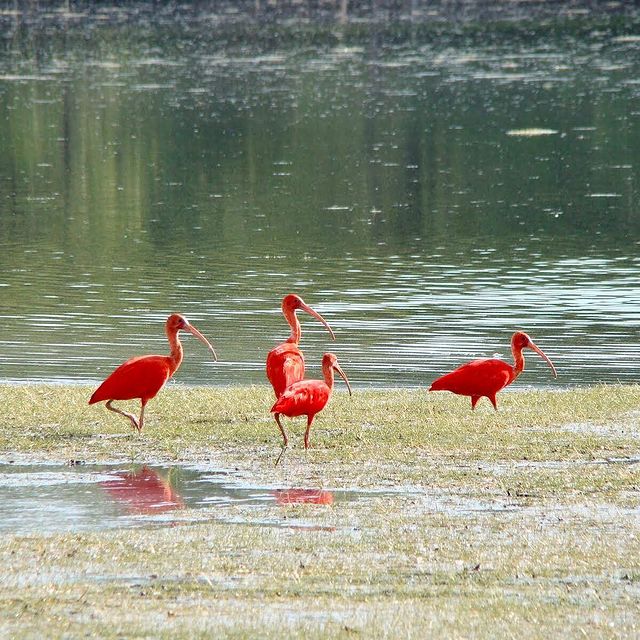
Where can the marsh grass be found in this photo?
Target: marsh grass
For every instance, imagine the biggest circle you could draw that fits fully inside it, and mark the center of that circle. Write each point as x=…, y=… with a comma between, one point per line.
x=517, y=523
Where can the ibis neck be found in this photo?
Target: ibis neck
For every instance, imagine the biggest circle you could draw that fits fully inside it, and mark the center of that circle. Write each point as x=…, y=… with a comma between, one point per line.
x=327, y=372
x=175, y=357
x=518, y=362
x=296, y=330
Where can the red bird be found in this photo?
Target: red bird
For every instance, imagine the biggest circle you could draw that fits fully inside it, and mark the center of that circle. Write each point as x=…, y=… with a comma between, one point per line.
x=285, y=363
x=143, y=376
x=308, y=397
x=487, y=376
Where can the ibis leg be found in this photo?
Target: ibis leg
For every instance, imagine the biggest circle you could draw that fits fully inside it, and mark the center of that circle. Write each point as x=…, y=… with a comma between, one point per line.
x=282, y=452
x=141, y=420
x=285, y=440
x=284, y=435
x=306, y=433
x=126, y=414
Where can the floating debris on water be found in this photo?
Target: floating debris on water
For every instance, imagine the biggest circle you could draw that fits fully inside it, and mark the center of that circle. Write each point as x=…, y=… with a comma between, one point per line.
x=531, y=132
x=604, y=195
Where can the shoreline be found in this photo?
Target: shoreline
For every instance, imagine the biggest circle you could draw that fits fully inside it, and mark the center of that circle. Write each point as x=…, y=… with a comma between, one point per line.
x=523, y=520
x=235, y=423
x=173, y=384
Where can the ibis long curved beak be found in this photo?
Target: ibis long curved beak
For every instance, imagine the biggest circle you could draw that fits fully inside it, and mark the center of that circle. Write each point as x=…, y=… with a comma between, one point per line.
x=541, y=353
x=343, y=375
x=315, y=314
x=192, y=330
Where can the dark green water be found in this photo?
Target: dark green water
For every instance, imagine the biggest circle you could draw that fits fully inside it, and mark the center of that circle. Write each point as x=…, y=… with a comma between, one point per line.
x=428, y=184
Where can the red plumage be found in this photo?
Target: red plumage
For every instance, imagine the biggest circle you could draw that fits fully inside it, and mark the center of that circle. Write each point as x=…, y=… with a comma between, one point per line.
x=485, y=377
x=140, y=377
x=308, y=397
x=143, y=376
x=476, y=379
x=304, y=398
x=285, y=363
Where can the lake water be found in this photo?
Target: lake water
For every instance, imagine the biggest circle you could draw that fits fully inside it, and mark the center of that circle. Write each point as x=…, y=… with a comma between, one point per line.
x=429, y=183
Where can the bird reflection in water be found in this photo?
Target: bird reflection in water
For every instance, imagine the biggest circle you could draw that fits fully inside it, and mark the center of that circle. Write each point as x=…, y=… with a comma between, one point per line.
x=303, y=496
x=143, y=491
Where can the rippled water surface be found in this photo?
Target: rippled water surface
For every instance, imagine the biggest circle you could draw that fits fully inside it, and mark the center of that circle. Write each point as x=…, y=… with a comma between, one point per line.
x=428, y=184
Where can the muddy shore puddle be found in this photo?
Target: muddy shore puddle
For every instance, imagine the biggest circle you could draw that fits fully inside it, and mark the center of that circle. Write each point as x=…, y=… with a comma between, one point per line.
x=58, y=498
x=48, y=498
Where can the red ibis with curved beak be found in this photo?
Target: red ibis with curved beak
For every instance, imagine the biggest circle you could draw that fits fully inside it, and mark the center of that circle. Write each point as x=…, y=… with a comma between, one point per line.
x=487, y=376
x=143, y=376
x=308, y=397
x=285, y=363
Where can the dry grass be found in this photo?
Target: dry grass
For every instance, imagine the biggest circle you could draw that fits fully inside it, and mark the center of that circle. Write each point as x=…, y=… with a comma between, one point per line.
x=519, y=523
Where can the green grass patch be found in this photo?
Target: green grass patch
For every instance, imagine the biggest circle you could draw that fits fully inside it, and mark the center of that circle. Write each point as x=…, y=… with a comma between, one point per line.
x=192, y=422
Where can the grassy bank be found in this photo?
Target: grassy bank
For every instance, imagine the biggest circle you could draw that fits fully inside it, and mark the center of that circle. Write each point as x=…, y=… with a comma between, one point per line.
x=518, y=523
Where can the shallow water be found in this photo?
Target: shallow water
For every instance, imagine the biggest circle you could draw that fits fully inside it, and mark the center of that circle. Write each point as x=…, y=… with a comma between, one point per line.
x=428, y=184
x=48, y=498
x=55, y=498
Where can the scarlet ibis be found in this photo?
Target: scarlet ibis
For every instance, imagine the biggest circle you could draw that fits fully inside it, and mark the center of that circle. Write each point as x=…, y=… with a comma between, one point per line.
x=285, y=363
x=143, y=376
x=487, y=376
x=308, y=397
